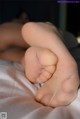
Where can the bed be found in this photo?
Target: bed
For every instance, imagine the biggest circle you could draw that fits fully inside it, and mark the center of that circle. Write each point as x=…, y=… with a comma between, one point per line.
x=17, y=97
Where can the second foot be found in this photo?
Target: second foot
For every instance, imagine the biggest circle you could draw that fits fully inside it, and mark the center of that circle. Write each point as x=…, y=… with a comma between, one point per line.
x=40, y=64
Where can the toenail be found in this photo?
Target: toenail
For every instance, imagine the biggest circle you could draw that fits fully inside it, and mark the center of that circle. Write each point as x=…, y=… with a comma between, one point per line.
x=39, y=85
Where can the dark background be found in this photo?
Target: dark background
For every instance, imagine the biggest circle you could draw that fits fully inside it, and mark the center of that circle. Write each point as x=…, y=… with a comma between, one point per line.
x=38, y=10
x=73, y=18
x=64, y=16
x=42, y=10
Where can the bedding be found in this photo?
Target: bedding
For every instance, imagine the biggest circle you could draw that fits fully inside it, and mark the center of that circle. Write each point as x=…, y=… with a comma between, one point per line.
x=17, y=97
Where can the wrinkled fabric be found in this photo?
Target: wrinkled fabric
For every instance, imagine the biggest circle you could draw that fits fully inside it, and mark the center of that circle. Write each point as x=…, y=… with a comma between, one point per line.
x=17, y=97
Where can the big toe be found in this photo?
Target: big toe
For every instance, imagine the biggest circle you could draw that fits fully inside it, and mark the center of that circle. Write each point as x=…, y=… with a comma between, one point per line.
x=45, y=74
x=46, y=57
x=43, y=95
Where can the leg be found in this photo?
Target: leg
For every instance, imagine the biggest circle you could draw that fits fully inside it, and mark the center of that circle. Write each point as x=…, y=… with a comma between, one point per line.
x=14, y=55
x=10, y=35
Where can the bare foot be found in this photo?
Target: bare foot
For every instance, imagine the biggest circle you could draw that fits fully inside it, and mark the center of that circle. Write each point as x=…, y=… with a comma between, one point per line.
x=40, y=64
x=61, y=88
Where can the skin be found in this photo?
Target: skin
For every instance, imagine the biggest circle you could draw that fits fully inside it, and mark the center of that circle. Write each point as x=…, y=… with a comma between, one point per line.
x=10, y=35
x=61, y=88
x=12, y=45
x=39, y=64
x=60, y=77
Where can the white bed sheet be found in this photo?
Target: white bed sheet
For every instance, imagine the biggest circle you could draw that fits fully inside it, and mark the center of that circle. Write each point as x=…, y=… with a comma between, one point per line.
x=17, y=97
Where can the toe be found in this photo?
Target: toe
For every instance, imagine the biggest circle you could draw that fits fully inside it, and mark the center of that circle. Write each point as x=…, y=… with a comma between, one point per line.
x=45, y=99
x=50, y=69
x=41, y=78
x=44, y=95
x=44, y=76
x=47, y=57
x=41, y=92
